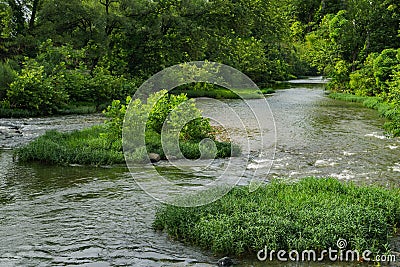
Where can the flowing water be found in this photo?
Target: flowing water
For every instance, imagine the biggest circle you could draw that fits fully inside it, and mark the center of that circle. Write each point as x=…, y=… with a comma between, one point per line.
x=84, y=216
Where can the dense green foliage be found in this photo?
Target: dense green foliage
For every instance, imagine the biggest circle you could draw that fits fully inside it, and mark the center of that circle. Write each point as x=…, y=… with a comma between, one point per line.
x=95, y=51
x=59, y=77
x=102, y=145
x=160, y=107
x=309, y=214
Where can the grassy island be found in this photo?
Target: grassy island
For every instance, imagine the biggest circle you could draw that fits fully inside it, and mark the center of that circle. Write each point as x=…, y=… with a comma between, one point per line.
x=309, y=214
x=102, y=145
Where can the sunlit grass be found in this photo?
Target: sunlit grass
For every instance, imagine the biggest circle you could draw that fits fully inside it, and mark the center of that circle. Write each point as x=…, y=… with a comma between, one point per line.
x=82, y=147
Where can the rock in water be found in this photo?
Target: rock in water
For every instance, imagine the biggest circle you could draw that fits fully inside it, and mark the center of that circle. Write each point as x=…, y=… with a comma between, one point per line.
x=225, y=261
x=154, y=157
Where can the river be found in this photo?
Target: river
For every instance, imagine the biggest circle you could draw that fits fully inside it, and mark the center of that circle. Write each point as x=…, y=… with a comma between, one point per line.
x=87, y=216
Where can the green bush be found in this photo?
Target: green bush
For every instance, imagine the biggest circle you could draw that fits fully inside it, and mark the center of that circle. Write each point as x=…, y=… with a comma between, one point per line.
x=103, y=87
x=309, y=214
x=160, y=107
x=58, y=77
x=7, y=76
x=376, y=76
x=34, y=90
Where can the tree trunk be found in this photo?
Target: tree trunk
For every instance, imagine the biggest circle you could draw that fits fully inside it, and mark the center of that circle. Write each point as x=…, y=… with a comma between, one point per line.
x=33, y=16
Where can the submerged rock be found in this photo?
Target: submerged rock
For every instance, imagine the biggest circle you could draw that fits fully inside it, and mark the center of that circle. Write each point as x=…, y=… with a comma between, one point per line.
x=9, y=131
x=225, y=261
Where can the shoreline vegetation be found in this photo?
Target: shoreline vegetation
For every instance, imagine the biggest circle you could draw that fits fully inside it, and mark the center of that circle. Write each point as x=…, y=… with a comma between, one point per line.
x=90, y=108
x=310, y=214
x=222, y=93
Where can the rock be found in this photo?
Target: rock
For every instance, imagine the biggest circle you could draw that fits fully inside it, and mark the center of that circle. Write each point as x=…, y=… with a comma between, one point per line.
x=225, y=261
x=154, y=157
x=9, y=131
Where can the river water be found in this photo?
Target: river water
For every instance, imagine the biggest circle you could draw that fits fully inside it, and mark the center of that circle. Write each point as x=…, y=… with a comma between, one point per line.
x=86, y=216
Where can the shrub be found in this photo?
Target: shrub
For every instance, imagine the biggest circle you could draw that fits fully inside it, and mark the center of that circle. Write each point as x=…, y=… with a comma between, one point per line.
x=174, y=111
x=103, y=87
x=7, y=76
x=377, y=74
x=34, y=90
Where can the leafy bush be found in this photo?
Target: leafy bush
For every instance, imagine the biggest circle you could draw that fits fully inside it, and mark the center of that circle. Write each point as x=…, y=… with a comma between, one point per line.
x=115, y=114
x=58, y=77
x=103, y=87
x=171, y=109
x=362, y=82
x=377, y=74
x=159, y=106
x=7, y=76
x=34, y=90
x=309, y=214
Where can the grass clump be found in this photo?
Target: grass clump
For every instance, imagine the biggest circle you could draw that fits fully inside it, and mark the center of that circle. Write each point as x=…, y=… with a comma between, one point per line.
x=87, y=147
x=16, y=113
x=309, y=214
x=218, y=92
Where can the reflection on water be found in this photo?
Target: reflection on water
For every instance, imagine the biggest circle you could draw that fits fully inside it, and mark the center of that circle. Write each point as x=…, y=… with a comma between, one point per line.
x=86, y=216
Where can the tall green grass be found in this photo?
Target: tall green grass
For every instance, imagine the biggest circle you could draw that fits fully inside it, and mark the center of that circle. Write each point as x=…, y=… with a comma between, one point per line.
x=78, y=147
x=309, y=214
x=72, y=109
x=223, y=93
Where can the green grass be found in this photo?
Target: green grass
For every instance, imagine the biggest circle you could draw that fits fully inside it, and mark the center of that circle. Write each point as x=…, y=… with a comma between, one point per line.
x=17, y=113
x=79, y=108
x=86, y=147
x=386, y=110
x=74, y=108
x=92, y=147
x=309, y=214
x=223, y=93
